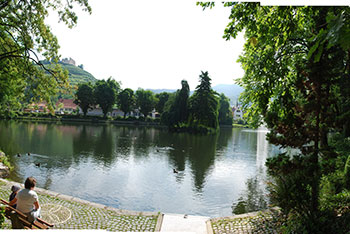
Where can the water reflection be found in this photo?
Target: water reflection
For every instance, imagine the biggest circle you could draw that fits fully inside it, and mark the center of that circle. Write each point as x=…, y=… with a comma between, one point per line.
x=133, y=166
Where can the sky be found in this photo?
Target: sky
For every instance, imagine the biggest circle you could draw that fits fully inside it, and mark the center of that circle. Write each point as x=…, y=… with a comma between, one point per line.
x=151, y=44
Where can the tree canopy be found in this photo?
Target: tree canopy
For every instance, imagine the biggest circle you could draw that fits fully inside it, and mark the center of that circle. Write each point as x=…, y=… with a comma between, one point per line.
x=23, y=36
x=145, y=100
x=296, y=63
x=225, y=112
x=84, y=97
x=204, y=104
x=162, y=98
x=176, y=109
x=126, y=100
x=105, y=93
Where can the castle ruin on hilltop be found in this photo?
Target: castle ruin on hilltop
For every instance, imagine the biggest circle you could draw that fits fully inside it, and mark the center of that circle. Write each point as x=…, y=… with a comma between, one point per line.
x=69, y=61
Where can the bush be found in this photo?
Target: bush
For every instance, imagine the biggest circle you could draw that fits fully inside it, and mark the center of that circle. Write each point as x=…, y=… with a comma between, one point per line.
x=347, y=173
x=2, y=217
x=4, y=160
x=291, y=190
x=131, y=118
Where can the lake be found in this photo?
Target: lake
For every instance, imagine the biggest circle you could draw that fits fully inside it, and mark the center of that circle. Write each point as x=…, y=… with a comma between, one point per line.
x=133, y=167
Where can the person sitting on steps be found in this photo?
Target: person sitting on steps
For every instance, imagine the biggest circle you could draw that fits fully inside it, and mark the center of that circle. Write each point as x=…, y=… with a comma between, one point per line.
x=27, y=200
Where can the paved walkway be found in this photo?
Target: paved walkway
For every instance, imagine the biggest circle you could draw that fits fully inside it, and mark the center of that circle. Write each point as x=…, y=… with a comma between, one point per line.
x=67, y=212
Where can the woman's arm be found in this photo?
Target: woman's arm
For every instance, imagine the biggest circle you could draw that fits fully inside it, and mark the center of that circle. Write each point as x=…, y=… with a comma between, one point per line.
x=13, y=201
x=36, y=205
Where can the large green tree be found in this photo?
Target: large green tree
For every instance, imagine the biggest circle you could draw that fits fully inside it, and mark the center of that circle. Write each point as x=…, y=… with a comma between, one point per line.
x=84, y=97
x=23, y=35
x=204, y=104
x=105, y=94
x=176, y=109
x=225, y=111
x=296, y=61
x=162, y=98
x=126, y=100
x=145, y=100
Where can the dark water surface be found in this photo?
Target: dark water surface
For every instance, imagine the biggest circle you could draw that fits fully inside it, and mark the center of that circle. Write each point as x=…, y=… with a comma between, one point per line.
x=132, y=167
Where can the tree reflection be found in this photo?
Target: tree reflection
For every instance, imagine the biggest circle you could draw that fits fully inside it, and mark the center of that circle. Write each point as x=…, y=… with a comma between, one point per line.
x=225, y=136
x=84, y=141
x=254, y=198
x=103, y=149
x=142, y=139
x=123, y=142
x=201, y=157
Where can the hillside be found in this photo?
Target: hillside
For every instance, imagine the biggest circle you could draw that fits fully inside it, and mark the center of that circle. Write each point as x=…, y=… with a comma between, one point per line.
x=77, y=75
x=231, y=91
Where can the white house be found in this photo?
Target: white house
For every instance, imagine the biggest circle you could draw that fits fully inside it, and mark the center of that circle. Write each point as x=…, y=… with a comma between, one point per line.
x=237, y=112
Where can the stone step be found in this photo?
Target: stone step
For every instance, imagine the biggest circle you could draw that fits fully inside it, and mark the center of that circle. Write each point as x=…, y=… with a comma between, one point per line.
x=184, y=223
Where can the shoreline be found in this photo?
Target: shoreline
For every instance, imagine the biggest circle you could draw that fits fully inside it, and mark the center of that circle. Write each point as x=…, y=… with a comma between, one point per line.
x=90, y=215
x=134, y=123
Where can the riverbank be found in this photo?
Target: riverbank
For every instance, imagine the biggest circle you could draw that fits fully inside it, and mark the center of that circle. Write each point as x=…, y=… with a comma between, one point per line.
x=67, y=212
x=54, y=119
x=99, y=120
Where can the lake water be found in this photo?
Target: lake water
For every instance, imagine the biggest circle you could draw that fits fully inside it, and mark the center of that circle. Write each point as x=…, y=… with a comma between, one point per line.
x=133, y=167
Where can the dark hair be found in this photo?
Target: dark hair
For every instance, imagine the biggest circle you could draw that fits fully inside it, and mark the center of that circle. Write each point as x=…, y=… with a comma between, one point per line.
x=30, y=183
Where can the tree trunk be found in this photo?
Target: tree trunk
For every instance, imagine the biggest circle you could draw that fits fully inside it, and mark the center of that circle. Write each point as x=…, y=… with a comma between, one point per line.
x=324, y=139
x=347, y=129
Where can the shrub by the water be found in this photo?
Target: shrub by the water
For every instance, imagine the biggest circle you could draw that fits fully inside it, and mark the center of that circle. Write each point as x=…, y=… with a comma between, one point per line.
x=347, y=173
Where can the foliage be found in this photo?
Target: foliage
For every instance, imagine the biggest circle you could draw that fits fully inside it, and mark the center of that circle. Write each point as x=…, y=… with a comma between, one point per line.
x=24, y=33
x=204, y=104
x=225, y=112
x=2, y=216
x=347, y=173
x=5, y=160
x=85, y=97
x=162, y=98
x=295, y=61
x=176, y=108
x=126, y=100
x=105, y=93
x=145, y=100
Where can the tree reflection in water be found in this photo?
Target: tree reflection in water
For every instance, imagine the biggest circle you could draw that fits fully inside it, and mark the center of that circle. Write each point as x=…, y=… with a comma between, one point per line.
x=254, y=198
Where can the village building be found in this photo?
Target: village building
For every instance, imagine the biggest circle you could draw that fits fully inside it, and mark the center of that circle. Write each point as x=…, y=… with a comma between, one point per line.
x=66, y=106
x=237, y=112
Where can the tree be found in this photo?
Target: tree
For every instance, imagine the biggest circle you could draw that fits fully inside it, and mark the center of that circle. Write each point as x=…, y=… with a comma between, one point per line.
x=176, y=108
x=126, y=100
x=84, y=97
x=225, y=112
x=204, y=104
x=105, y=94
x=23, y=34
x=162, y=98
x=145, y=100
x=294, y=60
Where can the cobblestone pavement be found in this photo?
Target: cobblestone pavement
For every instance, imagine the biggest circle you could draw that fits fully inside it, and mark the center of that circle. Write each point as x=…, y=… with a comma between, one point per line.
x=68, y=214
x=251, y=223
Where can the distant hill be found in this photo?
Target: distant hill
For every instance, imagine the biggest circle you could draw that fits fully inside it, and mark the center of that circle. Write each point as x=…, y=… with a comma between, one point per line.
x=232, y=91
x=77, y=75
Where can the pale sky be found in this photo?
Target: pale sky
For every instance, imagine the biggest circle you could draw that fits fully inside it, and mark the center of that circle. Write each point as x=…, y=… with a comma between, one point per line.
x=152, y=44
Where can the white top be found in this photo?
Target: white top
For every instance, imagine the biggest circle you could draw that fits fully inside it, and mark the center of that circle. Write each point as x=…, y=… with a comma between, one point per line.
x=25, y=200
